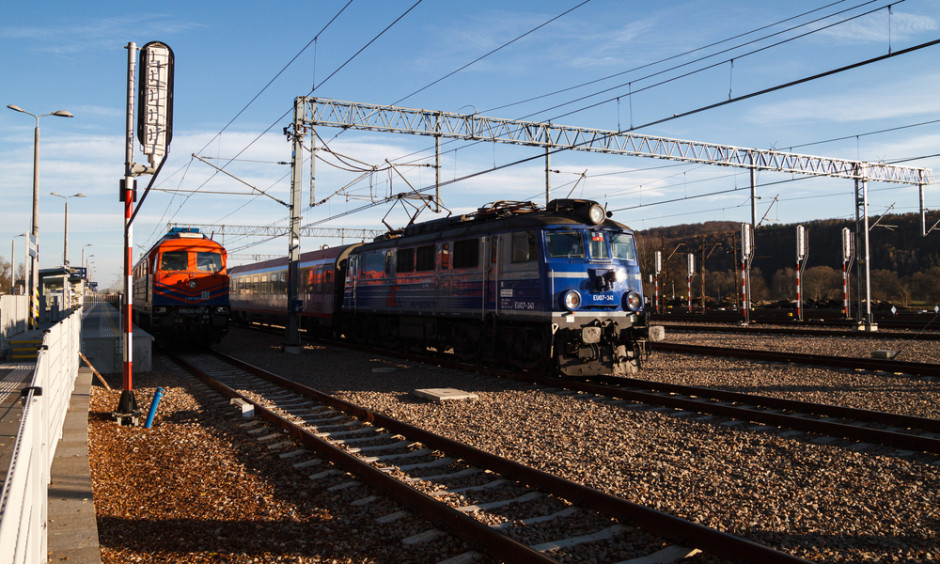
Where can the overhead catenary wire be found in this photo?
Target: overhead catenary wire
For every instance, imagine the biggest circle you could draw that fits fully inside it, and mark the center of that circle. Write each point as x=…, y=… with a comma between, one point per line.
x=282, y=116
x=632, y=127
x=677, y=116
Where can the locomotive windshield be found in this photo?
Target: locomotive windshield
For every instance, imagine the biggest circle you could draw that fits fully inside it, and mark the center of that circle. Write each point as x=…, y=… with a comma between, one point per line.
x=208, y=261
x=621, y=244
x=564, y=244
x=598, y=246
x=173, y=260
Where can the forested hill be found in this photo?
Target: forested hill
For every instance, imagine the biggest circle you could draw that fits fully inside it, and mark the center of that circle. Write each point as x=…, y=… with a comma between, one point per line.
x=901, y=250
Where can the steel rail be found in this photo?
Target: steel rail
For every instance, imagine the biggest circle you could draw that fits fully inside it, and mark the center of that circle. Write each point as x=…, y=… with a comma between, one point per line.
x=460, y=525
x=820, y=332
x=668, y=526
x=831, y=428
x=893, y=366
x=828, y=410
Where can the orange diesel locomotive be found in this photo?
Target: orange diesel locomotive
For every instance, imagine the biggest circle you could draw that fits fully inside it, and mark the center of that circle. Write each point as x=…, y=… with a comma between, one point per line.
x=181, y=289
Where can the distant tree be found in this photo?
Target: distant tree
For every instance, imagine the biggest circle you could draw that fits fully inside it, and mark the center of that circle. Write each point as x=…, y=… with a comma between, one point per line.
x=4, y=277
x=759, y=290
x=783, y=284
x=821, y=283
x=924, y=285
x=722, y=286
x=885, y=285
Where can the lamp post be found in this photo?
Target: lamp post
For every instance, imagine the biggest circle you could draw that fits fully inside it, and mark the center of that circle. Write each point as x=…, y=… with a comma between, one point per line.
x=34, y=258
x=13, y=261
x=65, y=245
x=83, y=253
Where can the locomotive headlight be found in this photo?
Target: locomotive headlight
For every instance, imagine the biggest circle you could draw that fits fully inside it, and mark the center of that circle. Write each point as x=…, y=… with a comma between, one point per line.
x=632, y=301
x=191, y=283
x=572, y=300
x=596, y=214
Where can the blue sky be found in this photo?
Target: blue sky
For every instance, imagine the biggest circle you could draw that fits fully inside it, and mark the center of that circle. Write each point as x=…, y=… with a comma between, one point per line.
x=239, y=67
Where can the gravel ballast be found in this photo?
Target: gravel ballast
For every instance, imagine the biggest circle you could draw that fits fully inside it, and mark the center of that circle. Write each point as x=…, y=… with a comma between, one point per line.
x=197, y=488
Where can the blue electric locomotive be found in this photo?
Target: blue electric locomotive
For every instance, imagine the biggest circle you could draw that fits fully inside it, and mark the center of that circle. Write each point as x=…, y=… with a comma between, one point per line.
x=554, y=289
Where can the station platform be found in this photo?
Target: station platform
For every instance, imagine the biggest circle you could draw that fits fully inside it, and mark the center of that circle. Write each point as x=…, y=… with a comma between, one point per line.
x=71, y=522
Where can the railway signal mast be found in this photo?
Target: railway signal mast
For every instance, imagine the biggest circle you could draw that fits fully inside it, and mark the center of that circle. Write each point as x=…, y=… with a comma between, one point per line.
x=802, y=255
x=747, y=255
x=848, y=257
x=154, y=132
x=658, y=269
x=691, y=274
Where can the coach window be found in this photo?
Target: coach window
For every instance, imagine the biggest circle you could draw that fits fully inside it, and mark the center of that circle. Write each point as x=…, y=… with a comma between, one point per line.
x=173, y=260
x=524, y=248
x=466, y=253
x=598, y=246
x=405, y=261
x=623, y=246
x=564, y=244
x=425, y=258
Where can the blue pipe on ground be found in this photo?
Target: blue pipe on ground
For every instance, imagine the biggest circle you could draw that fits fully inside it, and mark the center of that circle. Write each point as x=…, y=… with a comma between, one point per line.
x=153, y=407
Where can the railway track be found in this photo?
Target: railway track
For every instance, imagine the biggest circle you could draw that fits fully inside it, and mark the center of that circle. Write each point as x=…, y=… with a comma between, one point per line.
x=812, y=318
x=856, y=363
x=902, y=432
x=801, y=331
x=500, y=506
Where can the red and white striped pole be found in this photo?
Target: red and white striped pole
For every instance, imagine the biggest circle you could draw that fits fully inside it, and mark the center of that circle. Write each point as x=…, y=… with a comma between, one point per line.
x=127, y=410
x=744, y=290
x=799, y=293
x=845, y=290
x=657, y=293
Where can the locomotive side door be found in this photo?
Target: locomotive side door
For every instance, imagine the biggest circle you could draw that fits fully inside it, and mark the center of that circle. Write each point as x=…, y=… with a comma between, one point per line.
x=491, y=273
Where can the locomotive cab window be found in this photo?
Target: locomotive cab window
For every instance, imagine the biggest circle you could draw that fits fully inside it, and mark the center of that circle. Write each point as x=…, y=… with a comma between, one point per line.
x=623, y=247
x=598, y=246
x=173, y=261
x=564, y=244
x=208, y=262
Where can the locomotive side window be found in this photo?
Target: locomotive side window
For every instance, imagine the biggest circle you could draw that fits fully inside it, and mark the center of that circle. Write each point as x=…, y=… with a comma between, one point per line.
x=173, y=261
x=425, y=258
x=622, y=246
x=564, y=244
x=466, y=253
x=445, y=256
x=524, y=248
x=208, y=261
x=372, y=265
x=598, y=246
x=405, y=260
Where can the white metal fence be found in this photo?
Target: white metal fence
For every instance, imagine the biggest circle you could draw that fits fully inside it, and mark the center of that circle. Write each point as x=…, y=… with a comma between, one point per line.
x=13, y=316
x=23, y=504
